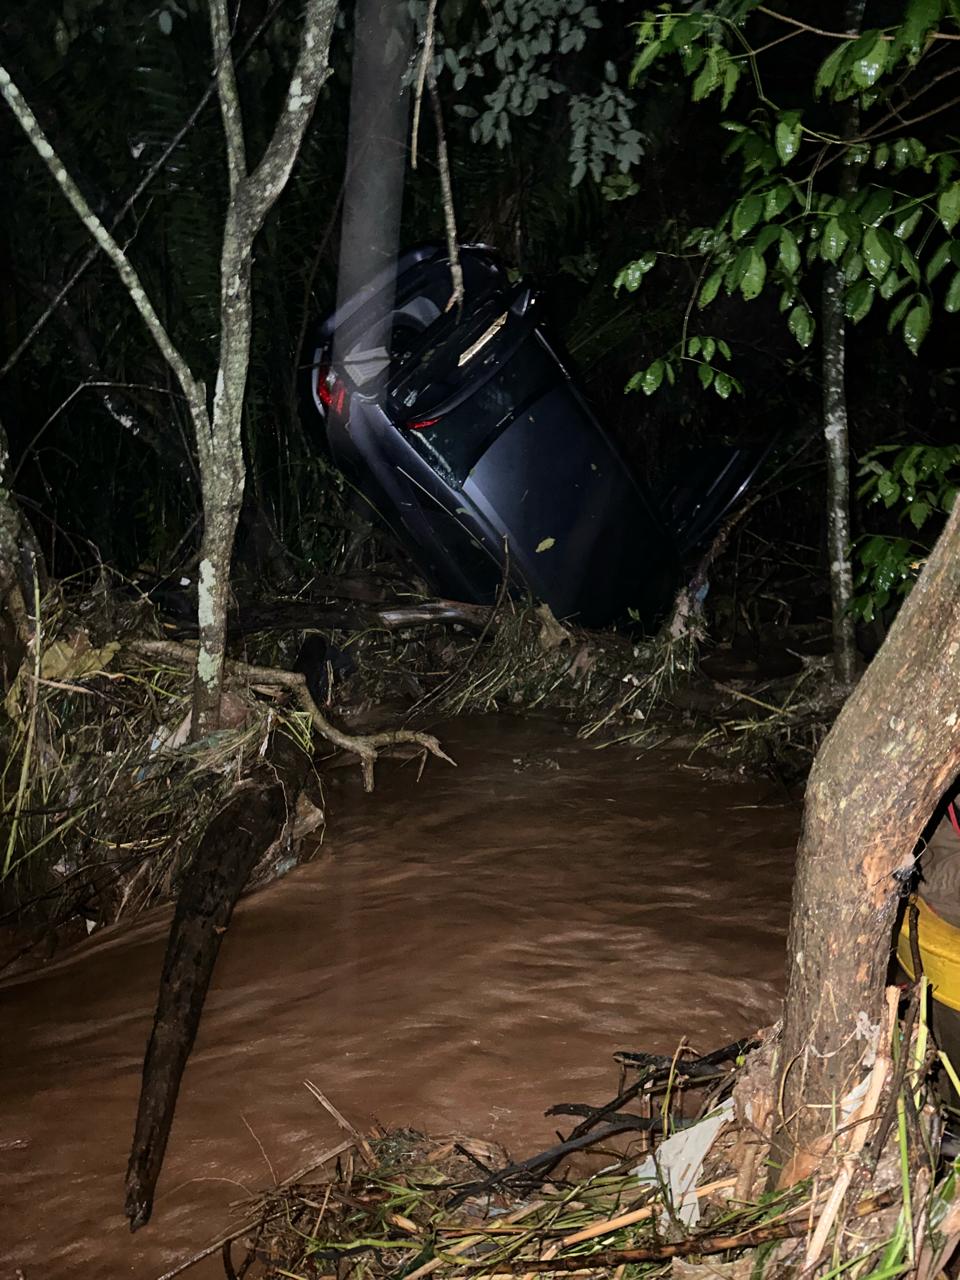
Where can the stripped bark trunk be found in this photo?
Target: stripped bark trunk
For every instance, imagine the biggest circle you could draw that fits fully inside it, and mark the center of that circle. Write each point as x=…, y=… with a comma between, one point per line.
x=875, y=782
x=835, y=419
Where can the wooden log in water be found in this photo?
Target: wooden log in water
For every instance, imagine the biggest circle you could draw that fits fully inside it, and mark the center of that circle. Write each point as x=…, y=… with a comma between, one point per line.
x=236, y=838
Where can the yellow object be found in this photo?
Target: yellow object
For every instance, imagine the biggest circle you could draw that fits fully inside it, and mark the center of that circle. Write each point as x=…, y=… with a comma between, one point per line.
x=939, y=951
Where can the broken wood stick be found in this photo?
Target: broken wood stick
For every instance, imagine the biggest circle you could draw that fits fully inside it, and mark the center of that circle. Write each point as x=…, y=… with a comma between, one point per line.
x=252, y=818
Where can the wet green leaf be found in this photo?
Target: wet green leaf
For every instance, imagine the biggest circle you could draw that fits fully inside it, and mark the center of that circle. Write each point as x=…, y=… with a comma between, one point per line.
x=859, y=300
x=652, y=377
x=711, y=288
x=921, y=16
x=876, y=254
x=952, y=301
x=948, y=206
x=829, y=68
x=888, y=489
x=800, y=324
x=909, y=264
x=833, y=241
x=787, y=136
x=918, y=512
x=776, y=201
x=737, y=269
x=899, y=311
x=648, y=55
x=890, y=284
x=708, y=79
x=709, y=347
x=906, y=225
x=751, y=284
x=746, y=215
x=731, y=76
x=916, y=324
x=768, y=235
x=705, y=374
x=722, y=385
x=870, y=57
x=937, y=261
x=852, y=266
x=693, y=346
x=724, y=348
x=631, y=276
x=876, y=205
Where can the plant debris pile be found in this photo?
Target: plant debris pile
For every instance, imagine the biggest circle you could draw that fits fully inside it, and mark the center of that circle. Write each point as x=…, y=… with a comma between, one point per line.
x=679, y=1185
x=105, y=796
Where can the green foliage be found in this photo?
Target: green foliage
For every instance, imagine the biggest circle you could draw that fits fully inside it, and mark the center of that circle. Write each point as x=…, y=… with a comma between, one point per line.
x=514, y=57
x=701, y=352
x=920, y=484
x=890, y=230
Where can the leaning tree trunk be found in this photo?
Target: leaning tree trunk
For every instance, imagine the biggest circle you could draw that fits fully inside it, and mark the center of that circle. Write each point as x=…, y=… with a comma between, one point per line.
x=875, y=782
x=835, y=422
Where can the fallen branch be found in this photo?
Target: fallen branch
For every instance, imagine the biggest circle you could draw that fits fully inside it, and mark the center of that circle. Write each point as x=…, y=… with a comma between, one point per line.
x=365, y=745
x=700, y=1244
x=547, y=1159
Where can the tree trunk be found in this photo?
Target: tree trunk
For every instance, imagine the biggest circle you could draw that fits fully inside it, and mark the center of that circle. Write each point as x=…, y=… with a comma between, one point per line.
x=835, y=421
x=220, y=449
x=222, y=472
x=876, y=780
x=837, y=442
x=376, y=163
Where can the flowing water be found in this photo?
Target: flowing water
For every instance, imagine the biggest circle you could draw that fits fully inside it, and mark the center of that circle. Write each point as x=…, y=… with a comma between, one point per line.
x=465, y=950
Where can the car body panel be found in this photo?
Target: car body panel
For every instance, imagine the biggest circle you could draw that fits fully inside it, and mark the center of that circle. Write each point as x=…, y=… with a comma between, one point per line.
x=471, y=441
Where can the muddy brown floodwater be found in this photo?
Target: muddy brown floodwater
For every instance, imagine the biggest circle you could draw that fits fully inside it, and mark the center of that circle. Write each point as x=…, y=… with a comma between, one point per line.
x=465, y=951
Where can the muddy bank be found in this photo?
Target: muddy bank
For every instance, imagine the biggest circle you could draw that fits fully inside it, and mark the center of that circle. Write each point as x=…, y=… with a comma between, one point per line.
x=464, y=951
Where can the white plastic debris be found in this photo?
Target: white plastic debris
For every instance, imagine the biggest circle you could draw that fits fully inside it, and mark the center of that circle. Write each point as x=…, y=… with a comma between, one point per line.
x=677, y=1164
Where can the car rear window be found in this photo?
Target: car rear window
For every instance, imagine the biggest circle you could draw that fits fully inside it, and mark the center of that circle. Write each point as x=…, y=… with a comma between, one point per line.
x=454, y=438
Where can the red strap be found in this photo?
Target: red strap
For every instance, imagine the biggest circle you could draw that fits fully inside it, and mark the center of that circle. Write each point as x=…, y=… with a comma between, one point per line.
x=952, y=815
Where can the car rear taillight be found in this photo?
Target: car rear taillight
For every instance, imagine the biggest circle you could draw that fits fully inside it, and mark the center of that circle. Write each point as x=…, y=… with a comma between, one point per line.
x=331, y=392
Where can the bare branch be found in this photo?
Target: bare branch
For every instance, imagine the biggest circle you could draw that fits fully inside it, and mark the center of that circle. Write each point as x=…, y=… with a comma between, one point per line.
x=131, y=200
x=227, y=93
x=365, y=745
x=192, y=389
x=270, y=176
x=446, y=187
x=837, y=35
x=425, y=59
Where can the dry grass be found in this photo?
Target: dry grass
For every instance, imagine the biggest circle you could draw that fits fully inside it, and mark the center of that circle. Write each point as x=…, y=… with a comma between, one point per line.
x=102, y=796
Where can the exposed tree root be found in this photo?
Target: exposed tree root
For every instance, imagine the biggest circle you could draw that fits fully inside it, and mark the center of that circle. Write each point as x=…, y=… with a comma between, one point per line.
x=365, y=745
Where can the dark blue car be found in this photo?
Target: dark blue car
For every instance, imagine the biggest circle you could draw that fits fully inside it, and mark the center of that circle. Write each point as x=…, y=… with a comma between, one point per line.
x=465, y=431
